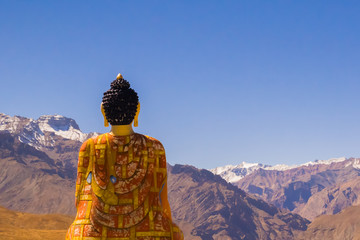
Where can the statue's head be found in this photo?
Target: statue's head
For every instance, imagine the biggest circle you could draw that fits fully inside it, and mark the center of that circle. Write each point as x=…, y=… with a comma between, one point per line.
x=120, y=103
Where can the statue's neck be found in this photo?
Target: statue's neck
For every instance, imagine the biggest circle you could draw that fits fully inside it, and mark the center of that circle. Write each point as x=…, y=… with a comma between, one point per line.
x=121, y=130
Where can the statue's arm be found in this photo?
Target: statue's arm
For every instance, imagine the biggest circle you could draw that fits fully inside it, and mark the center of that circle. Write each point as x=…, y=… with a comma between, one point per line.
x=164, y=188
x=163, y=194
x=164, y=200
x=83, y=162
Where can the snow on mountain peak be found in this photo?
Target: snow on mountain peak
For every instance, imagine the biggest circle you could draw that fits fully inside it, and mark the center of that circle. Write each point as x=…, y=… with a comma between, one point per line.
x=58, y=122
x=33, y=131
x=234, y=173
x=356, y=163
x=12, y=124
x=329, y=161
x=62, y=126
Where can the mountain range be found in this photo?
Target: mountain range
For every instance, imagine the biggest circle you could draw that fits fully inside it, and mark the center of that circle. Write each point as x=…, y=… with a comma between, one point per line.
x=39, y=167
x=311, y=189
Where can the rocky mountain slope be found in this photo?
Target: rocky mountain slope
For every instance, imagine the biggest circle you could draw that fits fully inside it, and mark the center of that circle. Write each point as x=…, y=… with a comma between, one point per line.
x=39, y=177
x=332, y=200
x=57, y=136
x=38, y=171
x=310, y=189
x=39, y=160
x=342, y=226
x=31, y=181
x=32, y=131
x=208, y=207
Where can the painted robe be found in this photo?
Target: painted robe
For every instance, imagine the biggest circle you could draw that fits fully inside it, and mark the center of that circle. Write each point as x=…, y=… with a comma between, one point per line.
x=121, y=191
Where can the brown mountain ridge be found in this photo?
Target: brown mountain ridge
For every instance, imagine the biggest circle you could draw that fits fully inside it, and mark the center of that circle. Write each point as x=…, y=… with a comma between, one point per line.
x=31, y=181
x=39, y=177
x=342, y=226
x=205, y=205
x=307, y=190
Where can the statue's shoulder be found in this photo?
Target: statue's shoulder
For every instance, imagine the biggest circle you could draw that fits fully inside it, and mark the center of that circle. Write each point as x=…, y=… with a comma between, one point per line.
x=156, y=144
x=91, y=141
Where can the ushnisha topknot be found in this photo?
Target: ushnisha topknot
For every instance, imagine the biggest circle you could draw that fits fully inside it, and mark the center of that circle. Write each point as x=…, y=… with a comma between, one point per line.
x=120, y=83
x=120, y=102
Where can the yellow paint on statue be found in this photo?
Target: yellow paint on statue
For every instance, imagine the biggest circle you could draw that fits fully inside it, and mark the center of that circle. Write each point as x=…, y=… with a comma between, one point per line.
x=121, y=189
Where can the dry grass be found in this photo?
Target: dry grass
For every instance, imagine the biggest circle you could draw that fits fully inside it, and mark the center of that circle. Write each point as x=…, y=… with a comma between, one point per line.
x=26, y=226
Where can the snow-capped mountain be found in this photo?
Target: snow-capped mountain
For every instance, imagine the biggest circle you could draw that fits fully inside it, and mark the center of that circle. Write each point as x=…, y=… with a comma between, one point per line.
x=235, y=173
x=62, y=126
x=41, y=132
x=309, y=189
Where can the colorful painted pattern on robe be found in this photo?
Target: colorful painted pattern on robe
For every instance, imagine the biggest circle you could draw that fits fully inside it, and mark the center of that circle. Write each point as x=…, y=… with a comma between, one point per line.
x=117, y=190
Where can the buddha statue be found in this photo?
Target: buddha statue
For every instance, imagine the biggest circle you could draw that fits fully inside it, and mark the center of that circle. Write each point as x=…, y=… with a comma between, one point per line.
x=121, y=186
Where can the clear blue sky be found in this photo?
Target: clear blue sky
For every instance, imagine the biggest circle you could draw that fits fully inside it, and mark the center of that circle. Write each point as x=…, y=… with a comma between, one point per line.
x=220, y=82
